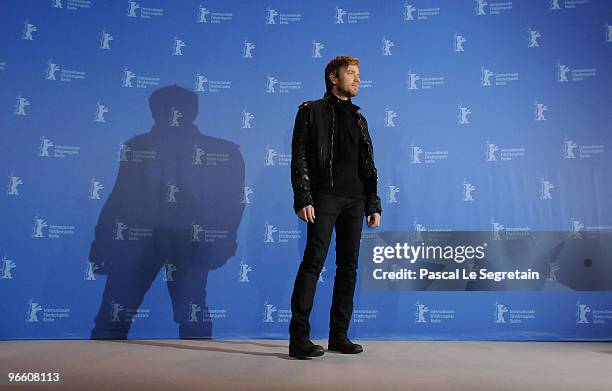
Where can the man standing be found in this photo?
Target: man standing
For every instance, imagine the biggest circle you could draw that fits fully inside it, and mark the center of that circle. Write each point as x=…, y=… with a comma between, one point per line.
x=334, y=182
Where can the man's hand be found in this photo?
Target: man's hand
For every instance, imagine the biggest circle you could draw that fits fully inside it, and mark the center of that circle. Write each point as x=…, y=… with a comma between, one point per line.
x=307, y=214
x=374, y=220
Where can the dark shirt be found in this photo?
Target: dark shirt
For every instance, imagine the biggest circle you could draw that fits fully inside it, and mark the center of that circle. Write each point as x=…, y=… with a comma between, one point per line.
x=347, y=137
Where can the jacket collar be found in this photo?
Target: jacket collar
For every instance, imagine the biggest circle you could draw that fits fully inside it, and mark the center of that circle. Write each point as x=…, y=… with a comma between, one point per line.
x=328, y=100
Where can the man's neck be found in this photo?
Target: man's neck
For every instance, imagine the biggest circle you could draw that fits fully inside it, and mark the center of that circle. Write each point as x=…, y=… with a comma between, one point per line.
x=341, y=97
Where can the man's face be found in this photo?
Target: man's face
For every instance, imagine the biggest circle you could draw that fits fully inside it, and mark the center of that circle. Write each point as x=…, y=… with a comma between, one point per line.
x=346, y=81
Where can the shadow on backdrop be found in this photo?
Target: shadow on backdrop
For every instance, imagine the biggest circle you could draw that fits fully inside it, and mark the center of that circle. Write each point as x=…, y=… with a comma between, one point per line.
x=176, y=206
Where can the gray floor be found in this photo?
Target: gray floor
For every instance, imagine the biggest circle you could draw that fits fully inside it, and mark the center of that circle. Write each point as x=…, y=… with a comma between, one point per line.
x=265, y=365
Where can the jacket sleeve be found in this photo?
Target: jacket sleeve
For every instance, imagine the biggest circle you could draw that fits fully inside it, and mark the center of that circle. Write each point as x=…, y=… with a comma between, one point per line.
x=370, y=182
x=300, y=176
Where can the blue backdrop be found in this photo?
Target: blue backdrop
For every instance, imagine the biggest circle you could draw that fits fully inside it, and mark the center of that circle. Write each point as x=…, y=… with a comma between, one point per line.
x=487, y=116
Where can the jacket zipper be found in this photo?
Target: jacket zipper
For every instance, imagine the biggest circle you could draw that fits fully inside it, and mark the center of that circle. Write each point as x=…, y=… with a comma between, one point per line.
x=369, y=151
x=364, y=138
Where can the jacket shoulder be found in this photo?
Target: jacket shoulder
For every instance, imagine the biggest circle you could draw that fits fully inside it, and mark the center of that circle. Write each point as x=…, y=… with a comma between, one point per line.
x=311, y=104
x=304, y=104
x=362, y=116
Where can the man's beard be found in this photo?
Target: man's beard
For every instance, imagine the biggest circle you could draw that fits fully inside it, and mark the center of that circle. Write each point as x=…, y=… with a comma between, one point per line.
x=347, y=93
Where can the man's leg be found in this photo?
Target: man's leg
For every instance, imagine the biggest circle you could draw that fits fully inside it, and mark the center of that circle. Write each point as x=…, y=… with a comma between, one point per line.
x=319, y=234
x=348, y=235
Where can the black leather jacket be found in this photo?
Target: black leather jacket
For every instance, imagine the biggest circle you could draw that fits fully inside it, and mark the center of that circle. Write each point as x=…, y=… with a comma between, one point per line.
x=312, y=154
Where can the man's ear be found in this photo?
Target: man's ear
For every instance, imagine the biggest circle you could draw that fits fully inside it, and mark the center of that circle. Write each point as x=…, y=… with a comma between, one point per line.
x=332, y=77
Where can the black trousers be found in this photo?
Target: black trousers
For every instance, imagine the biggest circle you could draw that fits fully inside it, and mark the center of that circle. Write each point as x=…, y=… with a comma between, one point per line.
x=346, y=215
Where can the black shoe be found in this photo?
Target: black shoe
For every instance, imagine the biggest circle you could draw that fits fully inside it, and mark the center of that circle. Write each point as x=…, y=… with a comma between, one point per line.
x=305, y=348
x=344, y=345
